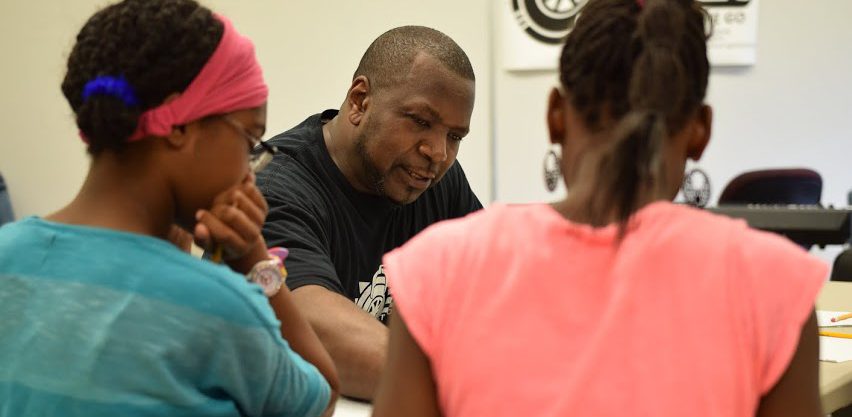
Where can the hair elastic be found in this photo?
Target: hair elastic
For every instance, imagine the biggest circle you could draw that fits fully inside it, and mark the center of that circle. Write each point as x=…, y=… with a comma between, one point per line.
x=106, y=85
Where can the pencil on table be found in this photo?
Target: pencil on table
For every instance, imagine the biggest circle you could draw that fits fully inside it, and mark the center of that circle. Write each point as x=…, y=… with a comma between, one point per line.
x=841, y=317
x=836, y=334
x=217, y=254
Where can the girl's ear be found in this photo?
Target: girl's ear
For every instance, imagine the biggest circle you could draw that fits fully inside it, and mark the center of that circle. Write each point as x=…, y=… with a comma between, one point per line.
x=702, y=127
x=556, y=116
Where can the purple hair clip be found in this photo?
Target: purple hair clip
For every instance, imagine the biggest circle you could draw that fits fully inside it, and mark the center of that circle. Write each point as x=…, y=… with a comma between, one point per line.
x=641, y=3
x=117, y=87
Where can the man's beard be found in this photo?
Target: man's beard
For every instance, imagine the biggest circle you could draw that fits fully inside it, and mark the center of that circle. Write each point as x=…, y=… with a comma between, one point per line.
x=375, y=179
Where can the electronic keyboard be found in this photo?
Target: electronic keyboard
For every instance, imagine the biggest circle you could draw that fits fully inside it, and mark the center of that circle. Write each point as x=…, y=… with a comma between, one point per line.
x=803, y=224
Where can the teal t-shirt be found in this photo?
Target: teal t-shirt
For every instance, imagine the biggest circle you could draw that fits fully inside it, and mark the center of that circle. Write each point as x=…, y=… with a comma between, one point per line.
x=95, y=322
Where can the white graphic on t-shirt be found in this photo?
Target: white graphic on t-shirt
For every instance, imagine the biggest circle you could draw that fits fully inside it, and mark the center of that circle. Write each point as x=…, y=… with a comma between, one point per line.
x=374, y=298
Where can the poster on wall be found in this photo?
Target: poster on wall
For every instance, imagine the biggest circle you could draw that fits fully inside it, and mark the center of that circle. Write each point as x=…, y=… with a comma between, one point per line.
x=530, y=32
x=734, y=40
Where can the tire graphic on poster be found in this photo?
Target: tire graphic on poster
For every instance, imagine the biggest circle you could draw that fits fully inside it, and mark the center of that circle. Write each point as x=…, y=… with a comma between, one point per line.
x=547, y=21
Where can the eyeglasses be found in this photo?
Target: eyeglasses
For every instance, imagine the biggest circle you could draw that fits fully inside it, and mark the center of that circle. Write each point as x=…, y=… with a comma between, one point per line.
x=261, y=152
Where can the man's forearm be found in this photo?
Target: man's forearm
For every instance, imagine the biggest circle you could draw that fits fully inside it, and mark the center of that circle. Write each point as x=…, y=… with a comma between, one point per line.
x=359, y=361
x=356, y=341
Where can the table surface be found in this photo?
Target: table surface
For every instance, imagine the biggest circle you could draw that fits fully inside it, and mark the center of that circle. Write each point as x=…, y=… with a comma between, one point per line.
x=351, y=408
x=835, y=379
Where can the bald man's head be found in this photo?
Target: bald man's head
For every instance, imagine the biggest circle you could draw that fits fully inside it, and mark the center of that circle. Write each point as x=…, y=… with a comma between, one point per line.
x=389, y=58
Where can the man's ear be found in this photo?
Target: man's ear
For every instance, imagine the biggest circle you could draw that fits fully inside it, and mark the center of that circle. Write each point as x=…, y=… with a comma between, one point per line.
x=556, y=116
x=702, y=128
x=358, y=99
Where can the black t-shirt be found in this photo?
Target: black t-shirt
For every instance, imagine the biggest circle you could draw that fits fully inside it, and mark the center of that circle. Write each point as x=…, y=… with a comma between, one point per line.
x=337, y=235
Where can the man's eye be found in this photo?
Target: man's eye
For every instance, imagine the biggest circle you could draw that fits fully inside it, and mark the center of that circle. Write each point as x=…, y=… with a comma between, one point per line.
x=420, y=121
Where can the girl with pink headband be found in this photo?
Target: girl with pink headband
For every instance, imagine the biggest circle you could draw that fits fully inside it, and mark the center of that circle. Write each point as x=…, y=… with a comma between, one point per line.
x=103, y=315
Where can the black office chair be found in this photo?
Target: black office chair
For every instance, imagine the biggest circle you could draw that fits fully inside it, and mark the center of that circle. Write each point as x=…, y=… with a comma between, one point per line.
x=842, y=269
x=774, y=186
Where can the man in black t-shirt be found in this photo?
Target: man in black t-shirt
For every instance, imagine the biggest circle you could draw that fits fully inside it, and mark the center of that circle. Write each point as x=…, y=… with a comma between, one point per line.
x=355, y=183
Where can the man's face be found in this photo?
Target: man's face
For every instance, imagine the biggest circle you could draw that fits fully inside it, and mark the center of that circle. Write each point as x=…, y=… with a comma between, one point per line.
x=410, y=133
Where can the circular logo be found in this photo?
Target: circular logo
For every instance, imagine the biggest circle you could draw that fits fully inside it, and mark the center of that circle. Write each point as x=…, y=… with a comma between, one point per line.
x=548, y=21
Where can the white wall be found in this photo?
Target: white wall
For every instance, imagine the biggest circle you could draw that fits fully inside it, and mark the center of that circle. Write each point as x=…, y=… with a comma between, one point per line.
x=308, y=50
x=41, y=157
x=794, y=108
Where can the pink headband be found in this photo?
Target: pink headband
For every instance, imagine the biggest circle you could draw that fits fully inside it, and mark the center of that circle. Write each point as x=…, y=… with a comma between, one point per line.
x=641, y=3
x=230, y=80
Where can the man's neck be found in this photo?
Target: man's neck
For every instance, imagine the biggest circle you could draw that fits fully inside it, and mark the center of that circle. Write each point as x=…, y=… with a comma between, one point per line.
x=341, y=147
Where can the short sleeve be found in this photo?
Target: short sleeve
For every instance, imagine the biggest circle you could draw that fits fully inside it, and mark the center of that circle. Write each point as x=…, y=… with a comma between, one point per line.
x=296, y=387
x=463, y=198
x=782, y=282
x=294, y=222
x=415, y=274
x=259, y=370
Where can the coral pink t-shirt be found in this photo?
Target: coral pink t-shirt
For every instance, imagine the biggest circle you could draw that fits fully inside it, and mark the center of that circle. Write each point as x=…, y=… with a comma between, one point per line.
x=523, y=313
